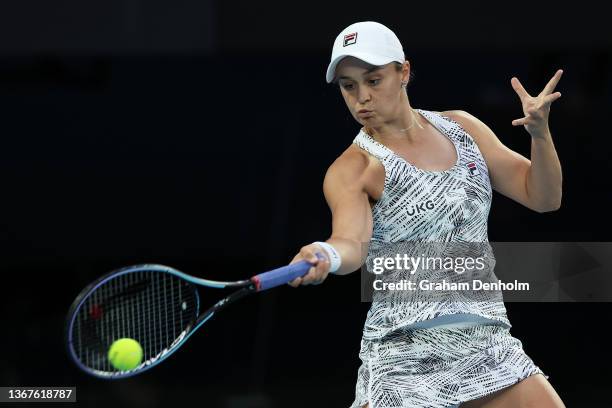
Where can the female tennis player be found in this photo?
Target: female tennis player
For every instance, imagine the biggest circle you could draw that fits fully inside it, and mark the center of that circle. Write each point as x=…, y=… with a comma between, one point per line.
x=425, y=176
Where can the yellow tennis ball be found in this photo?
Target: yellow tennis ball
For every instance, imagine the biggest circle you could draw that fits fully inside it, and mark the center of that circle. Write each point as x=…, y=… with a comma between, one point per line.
x=125, y=354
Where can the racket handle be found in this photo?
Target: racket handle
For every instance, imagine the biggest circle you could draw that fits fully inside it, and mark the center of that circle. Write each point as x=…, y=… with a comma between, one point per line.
x=282, y=275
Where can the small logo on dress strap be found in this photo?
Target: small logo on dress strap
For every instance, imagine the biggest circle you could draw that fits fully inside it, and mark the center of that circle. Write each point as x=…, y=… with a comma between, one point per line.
x=350, y=39
x=472, y=169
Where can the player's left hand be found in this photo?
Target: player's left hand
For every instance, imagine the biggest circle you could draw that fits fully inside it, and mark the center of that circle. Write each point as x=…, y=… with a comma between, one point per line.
x=536, y=108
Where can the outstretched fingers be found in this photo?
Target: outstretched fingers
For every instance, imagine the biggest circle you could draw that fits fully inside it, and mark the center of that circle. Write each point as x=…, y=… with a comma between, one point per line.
x=518, y=87
x=519, y=122
x=552, y=84
x=536, y=109
x=548, y=99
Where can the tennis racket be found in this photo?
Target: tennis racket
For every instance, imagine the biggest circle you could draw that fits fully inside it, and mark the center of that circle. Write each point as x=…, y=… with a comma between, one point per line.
x=156, y=305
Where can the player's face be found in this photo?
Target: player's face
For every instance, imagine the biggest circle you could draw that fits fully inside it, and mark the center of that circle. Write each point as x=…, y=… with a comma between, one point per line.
x=375, y=89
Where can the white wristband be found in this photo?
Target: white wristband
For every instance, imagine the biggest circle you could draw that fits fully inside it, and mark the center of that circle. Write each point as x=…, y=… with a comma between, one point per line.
x=334, y=257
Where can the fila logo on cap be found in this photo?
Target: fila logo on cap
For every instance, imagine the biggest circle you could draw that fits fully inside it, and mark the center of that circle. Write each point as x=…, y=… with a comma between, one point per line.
x=473, y=169
x=350, y=39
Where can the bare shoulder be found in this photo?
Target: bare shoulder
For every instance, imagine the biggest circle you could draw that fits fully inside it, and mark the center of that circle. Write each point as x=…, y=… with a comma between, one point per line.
x=354, y=172
x=348, y=167
x=460, y=116
x=479, y=131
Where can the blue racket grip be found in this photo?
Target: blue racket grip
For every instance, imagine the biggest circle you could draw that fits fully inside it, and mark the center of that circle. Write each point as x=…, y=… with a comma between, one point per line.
x=282, y=275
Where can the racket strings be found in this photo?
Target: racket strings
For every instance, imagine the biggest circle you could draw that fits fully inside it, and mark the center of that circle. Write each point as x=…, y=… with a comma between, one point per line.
x=155, y=305
x=151, y=307
x=140, y=318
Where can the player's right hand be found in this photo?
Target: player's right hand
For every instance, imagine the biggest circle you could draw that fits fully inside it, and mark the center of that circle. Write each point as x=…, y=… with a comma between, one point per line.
x=320, y=265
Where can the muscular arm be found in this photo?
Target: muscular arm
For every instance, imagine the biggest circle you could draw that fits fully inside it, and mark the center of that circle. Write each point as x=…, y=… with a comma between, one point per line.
x=344, y=189
x=534, y=183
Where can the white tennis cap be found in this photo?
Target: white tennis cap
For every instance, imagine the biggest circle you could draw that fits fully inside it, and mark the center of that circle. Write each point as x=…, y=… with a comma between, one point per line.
x=369, y=41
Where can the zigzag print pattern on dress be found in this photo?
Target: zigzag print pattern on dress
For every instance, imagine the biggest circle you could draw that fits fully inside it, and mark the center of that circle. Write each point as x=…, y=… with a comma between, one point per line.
x=410, y=358
x=430, y=207
x=439, y=367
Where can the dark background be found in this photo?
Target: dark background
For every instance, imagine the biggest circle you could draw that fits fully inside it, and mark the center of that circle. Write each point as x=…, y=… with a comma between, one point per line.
x=197, y=134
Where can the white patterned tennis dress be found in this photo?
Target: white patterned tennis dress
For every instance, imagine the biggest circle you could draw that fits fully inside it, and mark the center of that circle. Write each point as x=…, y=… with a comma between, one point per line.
x=438, y=354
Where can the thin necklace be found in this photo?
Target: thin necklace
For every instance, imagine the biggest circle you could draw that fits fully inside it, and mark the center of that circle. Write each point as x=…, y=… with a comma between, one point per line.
x=413, y=122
